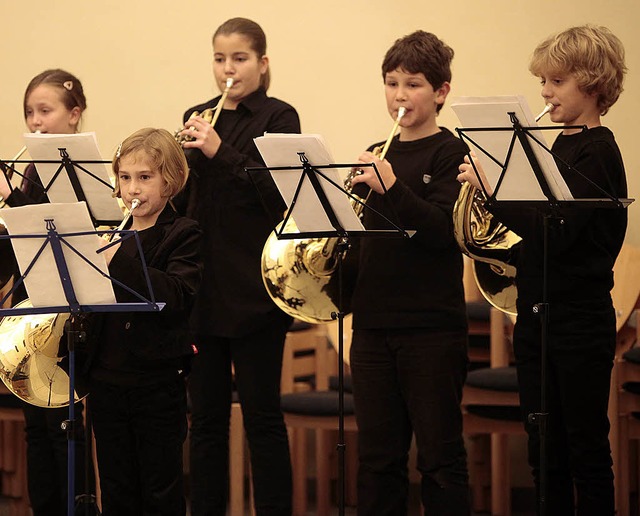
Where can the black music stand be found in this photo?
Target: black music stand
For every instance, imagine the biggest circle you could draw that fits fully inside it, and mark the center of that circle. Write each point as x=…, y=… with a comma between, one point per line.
x=68, y=177
x=323, y=186
x=62, y=250
x=549, y=207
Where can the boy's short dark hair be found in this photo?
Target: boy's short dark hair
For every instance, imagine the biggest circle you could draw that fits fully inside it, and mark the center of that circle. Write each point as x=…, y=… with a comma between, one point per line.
x=420, y=52
x=590, y=53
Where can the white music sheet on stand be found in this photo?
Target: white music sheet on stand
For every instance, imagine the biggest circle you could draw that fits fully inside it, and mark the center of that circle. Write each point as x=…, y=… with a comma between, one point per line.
x=281, y=150
x=519, y=183
x=43, y=284
x=80, y=147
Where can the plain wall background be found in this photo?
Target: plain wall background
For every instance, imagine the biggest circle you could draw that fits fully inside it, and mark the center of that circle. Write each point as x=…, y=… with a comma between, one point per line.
x=142, y=63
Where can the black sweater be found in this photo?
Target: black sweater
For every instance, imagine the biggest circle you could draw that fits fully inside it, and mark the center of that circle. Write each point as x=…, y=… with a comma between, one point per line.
x=417, y=282
x=584, y=242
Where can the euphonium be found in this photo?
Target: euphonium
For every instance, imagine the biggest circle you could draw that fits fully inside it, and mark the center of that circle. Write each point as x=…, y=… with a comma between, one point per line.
x=210, y=115
x=298, y=273
x=489, y=243
x=30, y=361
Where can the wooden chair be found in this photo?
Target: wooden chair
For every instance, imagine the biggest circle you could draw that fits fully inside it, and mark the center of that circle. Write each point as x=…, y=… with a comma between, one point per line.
x=13, y=455
x=490, y=405
x=313, y=408
x=627, y=378
x=624, y=400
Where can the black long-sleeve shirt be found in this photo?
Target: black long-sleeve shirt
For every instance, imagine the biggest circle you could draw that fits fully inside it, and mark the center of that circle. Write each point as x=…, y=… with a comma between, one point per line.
x=226, y=202
x=583, y=242
x=134, y=348
x=417, y=282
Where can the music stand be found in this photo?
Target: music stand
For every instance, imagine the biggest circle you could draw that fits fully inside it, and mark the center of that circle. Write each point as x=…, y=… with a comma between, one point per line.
x=336, y=220
x=66, y=253
x=71, y=169
x=527, y=143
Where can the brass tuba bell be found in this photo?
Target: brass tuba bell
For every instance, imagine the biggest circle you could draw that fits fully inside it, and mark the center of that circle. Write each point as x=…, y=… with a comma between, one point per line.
x=489, y=243
x=299, y=274
x=29, y=363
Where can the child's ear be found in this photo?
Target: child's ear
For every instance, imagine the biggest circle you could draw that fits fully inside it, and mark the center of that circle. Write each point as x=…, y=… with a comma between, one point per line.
x=442, y=92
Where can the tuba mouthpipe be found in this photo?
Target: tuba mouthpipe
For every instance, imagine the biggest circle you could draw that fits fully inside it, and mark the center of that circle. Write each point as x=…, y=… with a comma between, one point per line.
x=206, y=114
x=401, y=112
x=546, y=109
x=17, y=157
x=134, y=204
x=222, y=100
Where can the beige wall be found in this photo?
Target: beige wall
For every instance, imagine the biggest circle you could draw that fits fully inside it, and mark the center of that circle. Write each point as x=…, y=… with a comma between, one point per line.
x=144, y=62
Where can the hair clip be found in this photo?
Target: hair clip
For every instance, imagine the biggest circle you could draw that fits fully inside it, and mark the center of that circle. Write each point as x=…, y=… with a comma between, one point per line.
x=68, y=85
x=119, y=151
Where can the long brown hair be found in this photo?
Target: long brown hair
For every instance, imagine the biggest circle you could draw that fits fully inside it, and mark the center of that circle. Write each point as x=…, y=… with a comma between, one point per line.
x=254, y=33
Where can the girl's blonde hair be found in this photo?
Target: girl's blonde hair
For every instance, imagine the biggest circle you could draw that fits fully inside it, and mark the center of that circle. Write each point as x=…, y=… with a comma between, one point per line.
x=164, y=154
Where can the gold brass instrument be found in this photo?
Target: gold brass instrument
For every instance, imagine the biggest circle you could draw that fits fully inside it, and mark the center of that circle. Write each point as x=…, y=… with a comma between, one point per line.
x=546, y=109
x=210, y=115
x=134, y=204
x=298, y=273
x=9, y=172
x=488, y=243
x=30, y=361
x=8, y=264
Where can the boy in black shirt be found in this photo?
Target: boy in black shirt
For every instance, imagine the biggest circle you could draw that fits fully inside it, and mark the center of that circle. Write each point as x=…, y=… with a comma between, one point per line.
x=581, y=71
x=409, y=349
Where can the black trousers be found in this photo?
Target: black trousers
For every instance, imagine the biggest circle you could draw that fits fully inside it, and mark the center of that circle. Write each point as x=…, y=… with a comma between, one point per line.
x=410, y=382
x=581, y=347
x=47, y=445
x=257, y=361
x=139, y=433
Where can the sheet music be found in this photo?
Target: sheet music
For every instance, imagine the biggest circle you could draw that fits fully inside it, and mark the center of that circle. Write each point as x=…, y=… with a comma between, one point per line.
x=43, y=284
x=80, y=147
x=519, y=183
x=281, y=150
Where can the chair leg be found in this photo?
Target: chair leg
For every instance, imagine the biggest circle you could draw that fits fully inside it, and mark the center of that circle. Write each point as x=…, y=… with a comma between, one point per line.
x=479, y=471
x=14, y=467
x=299, y=460
x=500, y=475
x=323, y=473
x=622, y=493
x=236, y=462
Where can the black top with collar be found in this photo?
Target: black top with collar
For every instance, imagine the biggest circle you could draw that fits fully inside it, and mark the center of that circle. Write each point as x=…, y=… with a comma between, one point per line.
x=236, y=215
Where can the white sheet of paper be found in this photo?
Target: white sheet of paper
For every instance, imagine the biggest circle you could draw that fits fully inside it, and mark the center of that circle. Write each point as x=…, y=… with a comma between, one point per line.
x=281, y=150
x=80, y=147
x=43, y=284
x=519, y=183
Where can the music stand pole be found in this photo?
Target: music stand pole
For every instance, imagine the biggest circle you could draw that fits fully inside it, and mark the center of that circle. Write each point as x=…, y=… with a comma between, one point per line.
x=343, y=246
